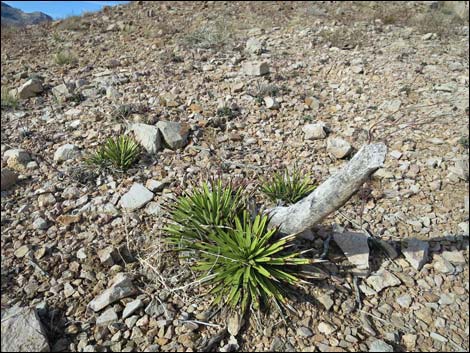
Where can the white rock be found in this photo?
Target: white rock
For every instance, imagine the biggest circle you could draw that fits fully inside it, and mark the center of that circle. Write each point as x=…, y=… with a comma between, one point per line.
x=338, y=147
x=315, y=131
x=455, y=257
x=380, y=346
x=66, y=152
x=404, y=300
x=355, y=248
x=271, y=103
x=153, y=209
x=255, y=68
x=63, y=90
x=132, y=307
x=108, y=317
x=416, y=253
x=155, y=185
x=174, y=134
x=22, y=331
x=121, y=287
x=235, y=322
x=137, y=197
x=382, y=279
x=148, y=136
x=326, y=328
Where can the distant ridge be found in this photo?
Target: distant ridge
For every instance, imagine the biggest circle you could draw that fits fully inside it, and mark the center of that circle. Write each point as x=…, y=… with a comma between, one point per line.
x=15, y=17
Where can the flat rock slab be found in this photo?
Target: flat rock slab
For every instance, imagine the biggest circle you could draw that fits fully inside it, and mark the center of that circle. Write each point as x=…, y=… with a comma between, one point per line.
x=122, y=287
x=416, y=253
x=22, y=331
x=356, y=249
x=136, y=197
x=148, y=136
x=382, y=279
x=338, y=147
x=174, y=134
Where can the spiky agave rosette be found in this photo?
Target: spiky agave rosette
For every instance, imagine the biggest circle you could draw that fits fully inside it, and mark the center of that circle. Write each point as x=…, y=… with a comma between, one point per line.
x=238, y=257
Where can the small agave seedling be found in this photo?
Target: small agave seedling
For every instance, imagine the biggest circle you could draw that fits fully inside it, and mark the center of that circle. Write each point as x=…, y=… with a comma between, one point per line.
x=120, y=153
x=287, y=187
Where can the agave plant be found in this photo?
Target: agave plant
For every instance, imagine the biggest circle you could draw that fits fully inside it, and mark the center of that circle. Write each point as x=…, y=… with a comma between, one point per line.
x=245, y=266
x=120, y=153
x=206, y=207
x=287, y=187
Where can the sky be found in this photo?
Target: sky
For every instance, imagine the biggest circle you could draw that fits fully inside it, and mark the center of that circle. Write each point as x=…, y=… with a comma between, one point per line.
x=61, y=9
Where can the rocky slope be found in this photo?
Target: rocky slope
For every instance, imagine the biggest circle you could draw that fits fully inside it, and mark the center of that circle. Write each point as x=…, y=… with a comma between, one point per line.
x=238, y=89
x=15, y=17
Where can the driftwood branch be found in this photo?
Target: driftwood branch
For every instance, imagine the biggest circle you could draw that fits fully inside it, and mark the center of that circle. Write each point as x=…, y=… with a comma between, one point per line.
x=332, y=194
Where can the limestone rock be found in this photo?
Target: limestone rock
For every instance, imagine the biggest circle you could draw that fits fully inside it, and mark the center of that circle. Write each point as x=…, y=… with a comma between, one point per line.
x=315, y=131
x=66, y=152
x=355, y=248
x=174, y=134
x=22, y=331
x=137, y=197
x=29, y=89
x=148, y=136
x=255, y=68
x=382, y=279
x=338, y=147
x=122, y=287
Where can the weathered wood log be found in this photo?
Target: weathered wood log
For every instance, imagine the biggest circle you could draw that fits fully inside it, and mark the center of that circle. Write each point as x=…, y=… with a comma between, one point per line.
x=331, y=194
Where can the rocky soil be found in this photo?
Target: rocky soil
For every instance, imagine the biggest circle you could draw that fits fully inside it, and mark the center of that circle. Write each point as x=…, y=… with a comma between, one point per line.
x=238, y=90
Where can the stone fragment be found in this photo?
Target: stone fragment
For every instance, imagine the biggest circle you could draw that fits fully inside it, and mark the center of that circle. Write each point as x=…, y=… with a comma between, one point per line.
x=326, y=328
x=21, y=251
x=132, y=307
x=40, y=223
x=66, y=152
x=174, y=134
x=63, y=91
x=315, y=131
x=404, y=300
x=29, y=89
x=121, y=287
x=382, y=279
x=271, y=103
x=109, y=316
x=380, y=346
x=148, y=136
x=304, y=332
x=108, y=256
x=137, y=197
x=338, y=147
x=22, y=331
x=416, y=253
x=454, y=257
x=155, y=185
x=255, y=68
x=355, y=247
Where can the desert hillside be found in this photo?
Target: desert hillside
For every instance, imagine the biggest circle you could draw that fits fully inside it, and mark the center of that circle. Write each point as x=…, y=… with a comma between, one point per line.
x=237, y=91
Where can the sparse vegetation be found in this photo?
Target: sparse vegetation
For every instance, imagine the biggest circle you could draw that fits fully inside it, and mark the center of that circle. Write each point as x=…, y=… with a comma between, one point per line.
x=119, y=153
x=64, y=57
x=212, y=36
x=287, y=186
x=8, y=100
x=238, y=257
